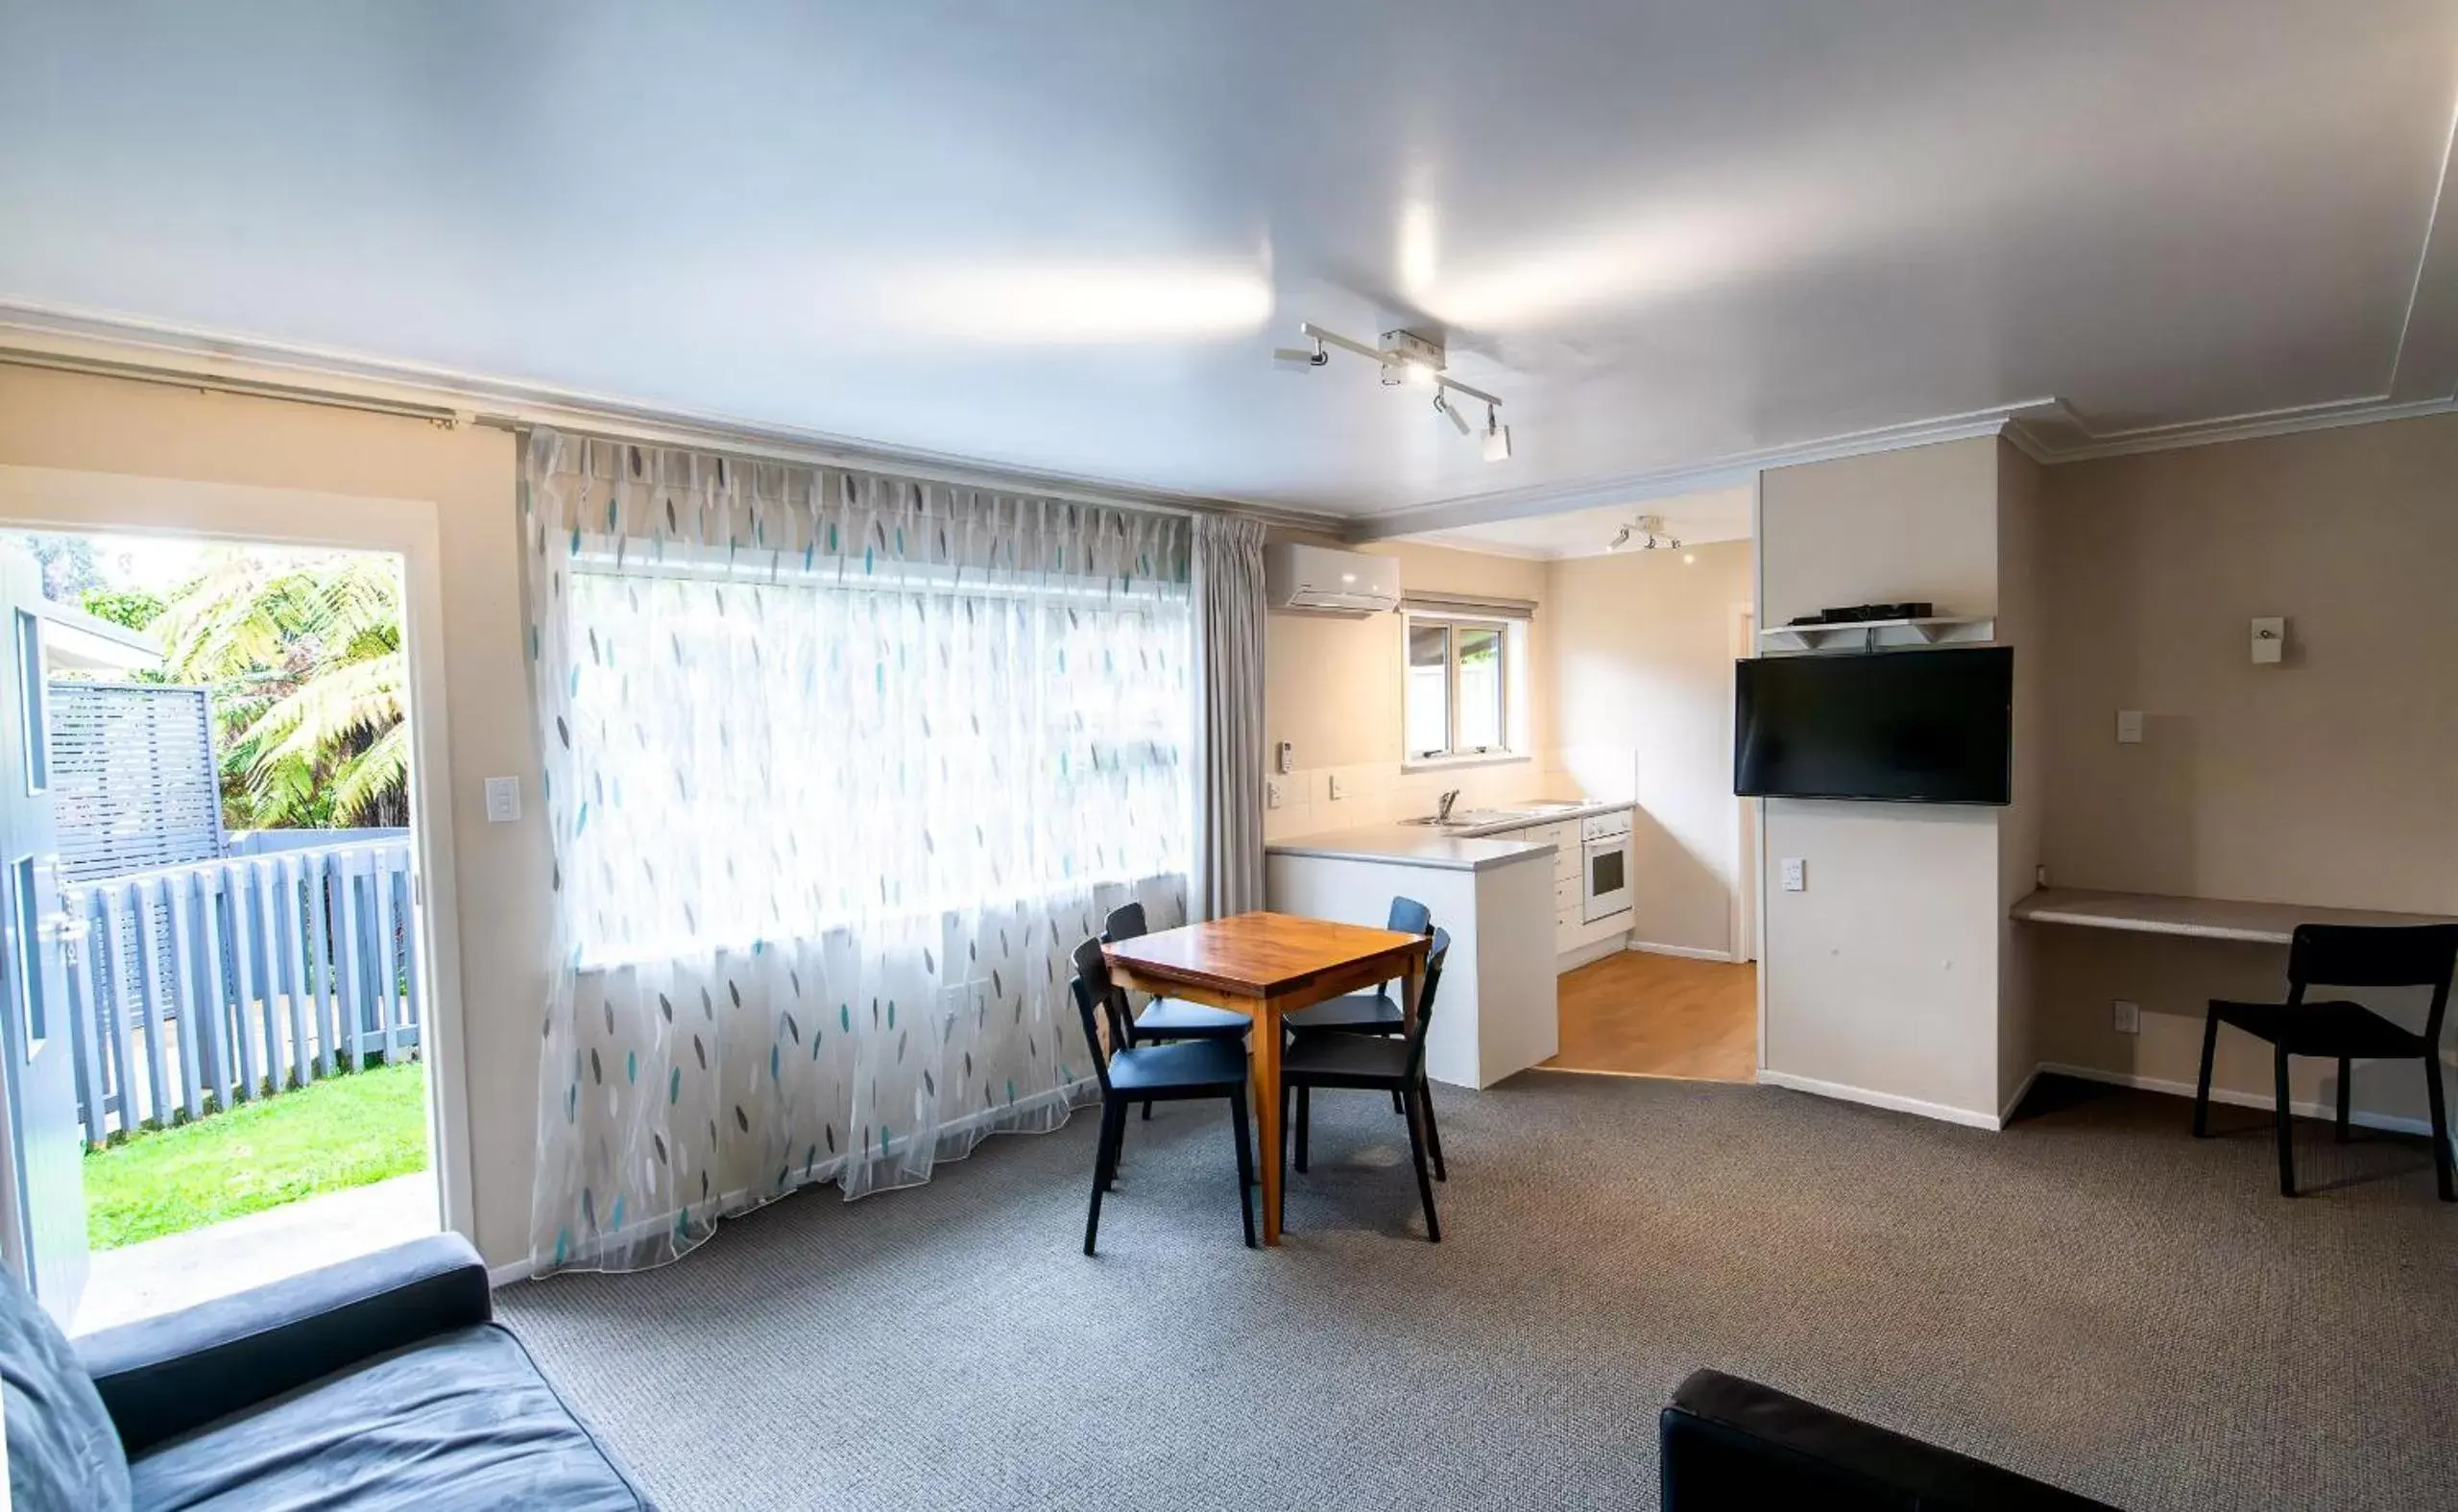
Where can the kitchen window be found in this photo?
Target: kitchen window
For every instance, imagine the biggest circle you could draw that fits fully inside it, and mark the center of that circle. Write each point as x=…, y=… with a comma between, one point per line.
x=1463, y=679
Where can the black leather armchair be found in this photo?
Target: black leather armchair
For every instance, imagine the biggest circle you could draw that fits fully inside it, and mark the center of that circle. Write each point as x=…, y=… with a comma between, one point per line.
x=1729, y=1443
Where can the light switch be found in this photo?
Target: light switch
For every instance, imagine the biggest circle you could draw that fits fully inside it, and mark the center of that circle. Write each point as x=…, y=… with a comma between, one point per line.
x=1284, y=757
x=2128, y=727
x=1271, y=792
x=1796, y=874
x=1337, y=788
x=2270, y=641
x=503, y=800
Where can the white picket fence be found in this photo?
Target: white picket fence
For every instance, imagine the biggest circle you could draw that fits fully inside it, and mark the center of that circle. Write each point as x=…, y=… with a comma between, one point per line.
x=200, y=986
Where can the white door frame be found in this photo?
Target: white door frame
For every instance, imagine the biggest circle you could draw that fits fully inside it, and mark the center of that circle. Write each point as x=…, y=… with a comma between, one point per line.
x=125, y=504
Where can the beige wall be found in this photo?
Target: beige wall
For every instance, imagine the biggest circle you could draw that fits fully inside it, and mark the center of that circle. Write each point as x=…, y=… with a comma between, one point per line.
x=104, y=425
x=1331, y=686
x=1882, y=977
x=2331, y=779
x=1643, y=657
x=2022, y=623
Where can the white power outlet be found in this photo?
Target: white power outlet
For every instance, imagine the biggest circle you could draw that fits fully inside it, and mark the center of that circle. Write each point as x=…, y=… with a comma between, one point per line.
x=2127, y=1017
x=503, y=800
x=1337, y=788
x=2128, y=727
x=1272, y=793
x=1796, y=874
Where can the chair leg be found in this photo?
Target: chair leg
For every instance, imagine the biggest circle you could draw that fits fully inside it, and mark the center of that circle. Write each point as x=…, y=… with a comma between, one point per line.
x=1148, y=1110
x=1397, y=1106
x=2285, y=1121
x=1305, y=1107
x=1111, y=1120
x=1416, y=1152
x=2346, y=1075
x=1433, y=1131
x=2441, y=1161
x=1245, y=1161
x=2202, y=1089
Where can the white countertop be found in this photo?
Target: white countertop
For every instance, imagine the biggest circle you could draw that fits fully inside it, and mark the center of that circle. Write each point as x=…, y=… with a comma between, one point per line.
x=1413, y=845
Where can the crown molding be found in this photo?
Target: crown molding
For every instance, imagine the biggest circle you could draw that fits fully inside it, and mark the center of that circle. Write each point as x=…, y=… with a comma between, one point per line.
x=2057, y=434
x=109, y=345
x=1657, y=482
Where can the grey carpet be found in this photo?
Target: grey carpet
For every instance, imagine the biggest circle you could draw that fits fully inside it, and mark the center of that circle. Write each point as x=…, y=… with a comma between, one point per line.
x=2090, y=1297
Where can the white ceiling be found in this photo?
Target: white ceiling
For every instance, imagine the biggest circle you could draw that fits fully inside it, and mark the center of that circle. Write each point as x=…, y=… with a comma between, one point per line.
x=1695, y=520
x=1065, y=237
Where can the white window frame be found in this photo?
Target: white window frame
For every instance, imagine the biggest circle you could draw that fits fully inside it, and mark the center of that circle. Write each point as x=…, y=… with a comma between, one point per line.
x=1513, y=635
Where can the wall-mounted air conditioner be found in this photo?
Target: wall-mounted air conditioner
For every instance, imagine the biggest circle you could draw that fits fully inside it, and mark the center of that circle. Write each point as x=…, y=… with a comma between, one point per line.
x=1326, y=581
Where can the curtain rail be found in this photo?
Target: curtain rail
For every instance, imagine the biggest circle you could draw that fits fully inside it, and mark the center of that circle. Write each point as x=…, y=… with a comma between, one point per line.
x=583, y=417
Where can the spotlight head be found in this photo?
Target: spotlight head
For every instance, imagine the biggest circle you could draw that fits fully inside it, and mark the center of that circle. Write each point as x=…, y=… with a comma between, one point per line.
x=1621, y=538
x=1497, y=437
x=1450, y=412
x=1300, y=358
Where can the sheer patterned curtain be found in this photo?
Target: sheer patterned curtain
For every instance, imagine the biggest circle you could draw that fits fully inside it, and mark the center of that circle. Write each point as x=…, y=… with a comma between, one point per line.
x=840, y=768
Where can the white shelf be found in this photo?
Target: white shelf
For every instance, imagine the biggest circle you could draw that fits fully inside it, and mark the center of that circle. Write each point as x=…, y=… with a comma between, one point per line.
x=1867, y=633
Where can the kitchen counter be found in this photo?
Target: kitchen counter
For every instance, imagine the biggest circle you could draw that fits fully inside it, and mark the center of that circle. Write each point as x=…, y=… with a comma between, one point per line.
x=1415, y=844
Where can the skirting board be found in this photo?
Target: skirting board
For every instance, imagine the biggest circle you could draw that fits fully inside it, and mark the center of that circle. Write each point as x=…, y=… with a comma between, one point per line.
x=506, y=1275
x=2266, y=1102
x=2006, y=1114
x=1890, y=1101
x=1572, y=959
x=1687, y=953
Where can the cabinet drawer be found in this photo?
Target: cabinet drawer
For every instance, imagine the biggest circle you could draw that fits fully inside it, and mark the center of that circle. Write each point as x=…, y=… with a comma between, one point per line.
x=1566, y=863
x=1566, y=896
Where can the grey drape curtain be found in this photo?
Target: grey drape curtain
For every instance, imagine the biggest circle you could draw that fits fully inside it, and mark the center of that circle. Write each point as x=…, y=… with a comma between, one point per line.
x=1228, y=590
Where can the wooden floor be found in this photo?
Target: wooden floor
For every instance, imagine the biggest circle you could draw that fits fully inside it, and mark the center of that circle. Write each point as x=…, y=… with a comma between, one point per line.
x=1642, y=1014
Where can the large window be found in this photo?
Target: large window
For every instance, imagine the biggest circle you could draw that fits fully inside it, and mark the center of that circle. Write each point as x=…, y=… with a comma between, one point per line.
x=1460, y=689
x=774, y=758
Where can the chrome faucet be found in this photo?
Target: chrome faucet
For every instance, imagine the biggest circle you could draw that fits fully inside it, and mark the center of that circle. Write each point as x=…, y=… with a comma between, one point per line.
x=1442, y=814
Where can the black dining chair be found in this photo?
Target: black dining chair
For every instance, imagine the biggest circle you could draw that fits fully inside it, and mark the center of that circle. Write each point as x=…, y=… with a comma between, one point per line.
x=1189, y=1069
x=1165, y=1019
x=1377, y=1011
x=2346, y=956
x=1371, y=1062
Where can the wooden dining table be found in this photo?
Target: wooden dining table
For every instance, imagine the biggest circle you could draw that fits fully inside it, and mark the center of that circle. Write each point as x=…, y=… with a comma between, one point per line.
x=1264, y=966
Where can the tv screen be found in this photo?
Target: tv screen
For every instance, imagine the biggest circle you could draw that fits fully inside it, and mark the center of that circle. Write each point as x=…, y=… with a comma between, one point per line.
x=1913, y=726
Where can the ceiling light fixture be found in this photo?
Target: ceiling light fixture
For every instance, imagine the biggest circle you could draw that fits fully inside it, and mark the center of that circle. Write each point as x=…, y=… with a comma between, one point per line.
x=1409, y=357
x=1497, y=437
x=1651, y=533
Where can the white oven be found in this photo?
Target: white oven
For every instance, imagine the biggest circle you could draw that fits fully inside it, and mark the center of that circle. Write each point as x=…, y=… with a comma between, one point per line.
x=1604, y=865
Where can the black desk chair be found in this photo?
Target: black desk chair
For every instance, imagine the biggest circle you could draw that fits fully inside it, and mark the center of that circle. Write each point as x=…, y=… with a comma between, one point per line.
x=1189, y=1069
x=2346, y=956
x=1371, y=1063
x=1165, y=1019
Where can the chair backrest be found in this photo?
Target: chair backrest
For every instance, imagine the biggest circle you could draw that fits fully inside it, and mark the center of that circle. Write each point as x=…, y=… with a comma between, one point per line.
x=1126, y=922
x=1410, y=917
x=2376, y=955
x=1096, y=998
x=1434, y=956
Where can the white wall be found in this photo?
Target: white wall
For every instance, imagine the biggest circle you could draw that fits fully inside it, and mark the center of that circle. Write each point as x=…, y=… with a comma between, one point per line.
x=2022, y=624
x=1881, y=978
x=1332, y=686
x=1642, y=660
x=86, y=424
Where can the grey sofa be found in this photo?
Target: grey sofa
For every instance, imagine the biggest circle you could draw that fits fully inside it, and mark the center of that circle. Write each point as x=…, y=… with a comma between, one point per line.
x=383, y=1382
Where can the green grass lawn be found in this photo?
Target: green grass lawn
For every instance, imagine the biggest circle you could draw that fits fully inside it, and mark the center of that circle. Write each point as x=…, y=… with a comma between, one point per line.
x=328, y=1136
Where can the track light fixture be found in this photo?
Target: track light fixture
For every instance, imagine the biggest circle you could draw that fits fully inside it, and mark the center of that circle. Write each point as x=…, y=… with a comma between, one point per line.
x=1406, y=357
x=1648, y=533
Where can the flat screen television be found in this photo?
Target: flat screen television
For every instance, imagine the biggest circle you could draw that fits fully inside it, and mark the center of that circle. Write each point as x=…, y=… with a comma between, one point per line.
x=1912, y=727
